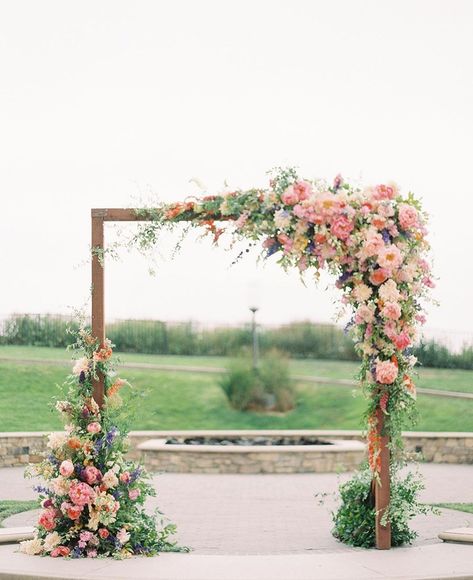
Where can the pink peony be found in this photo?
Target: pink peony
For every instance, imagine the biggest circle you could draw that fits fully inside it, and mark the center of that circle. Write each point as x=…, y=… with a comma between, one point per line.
x=91, y=475
x=47, y=519
x=379, y=276
x=125, y=477
x=290, y=197
x=91, y=553
x=390, y=257
x=94, y=427
x=81, y=493
x=386, y=372
x=66, y=468
x=408, y=216
x=391, y=310
x=341, y=227
x=134, y=494
x=303, y=189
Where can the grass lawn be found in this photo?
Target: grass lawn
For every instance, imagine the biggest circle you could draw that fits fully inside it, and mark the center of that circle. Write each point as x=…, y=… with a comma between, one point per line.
x=11, y=507
x=174, y=400
x=461, y=507
x=444, y=379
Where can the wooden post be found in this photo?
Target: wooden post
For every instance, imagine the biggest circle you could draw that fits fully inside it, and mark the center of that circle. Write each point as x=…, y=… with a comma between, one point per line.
x=98, y=312
x=382, y=487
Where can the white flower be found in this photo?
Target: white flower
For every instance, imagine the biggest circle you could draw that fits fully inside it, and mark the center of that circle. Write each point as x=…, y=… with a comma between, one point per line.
x=282, y=219
x=123, y=536
x=31, y=547
x=110, y=479
x=60, y=485
x=389, y=292
x=56, y=440
x=51, y=541
x=362, y=292
x=81, y=366
x=412, y=360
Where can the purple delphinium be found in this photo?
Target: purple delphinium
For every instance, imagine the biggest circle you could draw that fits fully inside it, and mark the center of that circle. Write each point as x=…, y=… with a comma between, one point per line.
x=135, y=474
x=386, y=236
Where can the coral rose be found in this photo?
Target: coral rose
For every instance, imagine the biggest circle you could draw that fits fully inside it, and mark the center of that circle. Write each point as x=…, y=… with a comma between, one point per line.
x=60, y=551
x=402, y=340
x=103, y=533
x=379, y=276
x=47, y=519
x=386, y=372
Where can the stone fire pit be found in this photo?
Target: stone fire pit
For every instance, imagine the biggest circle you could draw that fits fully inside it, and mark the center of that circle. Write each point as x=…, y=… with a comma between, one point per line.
x=250, y=452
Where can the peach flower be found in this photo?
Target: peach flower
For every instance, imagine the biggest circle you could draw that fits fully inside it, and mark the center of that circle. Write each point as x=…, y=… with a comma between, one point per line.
x=390, y=257
x=94, y=427
x=391, y=310
x=66, y=469
x=386, y=372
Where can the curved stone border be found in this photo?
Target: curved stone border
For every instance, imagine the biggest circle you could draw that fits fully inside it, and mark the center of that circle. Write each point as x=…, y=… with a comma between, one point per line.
x=21, y=448
x=176, y=458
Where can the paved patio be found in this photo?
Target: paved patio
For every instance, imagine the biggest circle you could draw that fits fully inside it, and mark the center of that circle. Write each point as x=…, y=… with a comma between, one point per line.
x=269, y=526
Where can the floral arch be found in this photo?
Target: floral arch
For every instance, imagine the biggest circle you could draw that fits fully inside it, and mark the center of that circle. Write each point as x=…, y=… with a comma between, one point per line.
x=372, y=239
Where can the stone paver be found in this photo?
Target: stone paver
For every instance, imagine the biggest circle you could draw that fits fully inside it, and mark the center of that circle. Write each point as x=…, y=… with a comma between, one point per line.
x=268, y=514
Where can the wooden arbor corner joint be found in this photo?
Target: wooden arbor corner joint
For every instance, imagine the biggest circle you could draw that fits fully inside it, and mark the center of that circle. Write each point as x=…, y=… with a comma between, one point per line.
x=101, y=215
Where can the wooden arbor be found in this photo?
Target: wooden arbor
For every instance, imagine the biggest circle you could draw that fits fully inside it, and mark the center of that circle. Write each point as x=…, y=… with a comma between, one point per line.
x=99, y=217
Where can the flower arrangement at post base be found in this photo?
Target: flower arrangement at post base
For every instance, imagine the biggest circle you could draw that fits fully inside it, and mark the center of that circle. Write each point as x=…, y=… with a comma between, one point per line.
x=92, y=503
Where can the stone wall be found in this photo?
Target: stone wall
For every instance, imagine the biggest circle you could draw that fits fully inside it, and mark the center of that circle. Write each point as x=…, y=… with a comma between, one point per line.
x=20, y=448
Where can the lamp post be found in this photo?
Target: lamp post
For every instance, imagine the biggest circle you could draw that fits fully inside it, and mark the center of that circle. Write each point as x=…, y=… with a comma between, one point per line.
x=254, y=310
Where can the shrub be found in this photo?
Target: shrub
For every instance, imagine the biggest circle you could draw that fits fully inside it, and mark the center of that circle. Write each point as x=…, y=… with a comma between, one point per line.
x=355, y=518
x=267, y=387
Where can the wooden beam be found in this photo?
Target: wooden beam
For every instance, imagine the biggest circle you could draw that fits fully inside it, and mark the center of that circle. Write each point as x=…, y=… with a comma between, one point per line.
x=98, y=298
x=382, y=487
x=120, y=214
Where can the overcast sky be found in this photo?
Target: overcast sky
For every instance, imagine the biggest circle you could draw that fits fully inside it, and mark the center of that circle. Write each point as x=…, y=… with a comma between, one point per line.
x=104, y=102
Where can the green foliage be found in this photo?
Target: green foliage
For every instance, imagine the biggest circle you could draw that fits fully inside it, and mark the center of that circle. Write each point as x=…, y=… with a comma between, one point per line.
x=268, y=387
x=355, y=518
